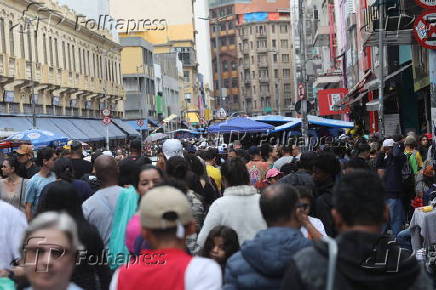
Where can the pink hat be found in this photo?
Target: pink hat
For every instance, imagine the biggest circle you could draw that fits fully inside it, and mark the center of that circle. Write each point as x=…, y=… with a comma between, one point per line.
x=273, y=172
x=133, y=231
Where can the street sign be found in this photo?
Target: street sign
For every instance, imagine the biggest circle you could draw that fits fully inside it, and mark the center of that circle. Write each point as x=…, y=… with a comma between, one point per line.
x=140, y=123
x=425, y=29
x=429, y=4
x=107, y=120
x=106, y=112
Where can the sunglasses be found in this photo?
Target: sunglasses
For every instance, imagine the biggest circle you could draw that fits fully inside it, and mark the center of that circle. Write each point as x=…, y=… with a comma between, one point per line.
x=303, y=205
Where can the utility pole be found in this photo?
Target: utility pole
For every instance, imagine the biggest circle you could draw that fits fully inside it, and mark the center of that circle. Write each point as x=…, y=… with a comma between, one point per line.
x=141, y=99
x=32, y=90
x=381, y=55
x=304, y=121
x=432, y=73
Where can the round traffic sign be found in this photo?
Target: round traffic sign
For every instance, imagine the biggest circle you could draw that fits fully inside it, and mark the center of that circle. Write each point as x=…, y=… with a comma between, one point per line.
x=106, y=112
x=425, y=29
x=107, y=120
x=426, y=3
x=140, y=123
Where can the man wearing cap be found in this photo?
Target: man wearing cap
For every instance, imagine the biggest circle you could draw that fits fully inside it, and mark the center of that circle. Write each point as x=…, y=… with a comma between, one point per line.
x=25, y=157
x=166, y=221
x=389, y=166
x=80, y=166
x=170, y=148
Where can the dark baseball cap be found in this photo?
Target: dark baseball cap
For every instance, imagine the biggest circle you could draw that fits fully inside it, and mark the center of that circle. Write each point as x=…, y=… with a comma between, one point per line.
x=76, y=145
x=253, y=150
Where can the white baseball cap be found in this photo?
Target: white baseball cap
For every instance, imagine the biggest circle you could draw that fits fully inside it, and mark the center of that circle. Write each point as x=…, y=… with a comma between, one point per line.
x=388, y=143
x=107, y=153
x=172, y=147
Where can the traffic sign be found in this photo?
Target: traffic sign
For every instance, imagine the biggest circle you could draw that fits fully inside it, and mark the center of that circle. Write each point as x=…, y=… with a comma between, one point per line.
x=140, y=123
x=425, y=29
x=106, y=112
x=429, y=4
x=107, y=120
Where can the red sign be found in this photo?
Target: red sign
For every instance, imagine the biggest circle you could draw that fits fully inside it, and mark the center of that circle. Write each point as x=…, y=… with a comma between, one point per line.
x=107, y=120
x=425, y=29
x=140, y=123
x=426, y=3
x=328, y=101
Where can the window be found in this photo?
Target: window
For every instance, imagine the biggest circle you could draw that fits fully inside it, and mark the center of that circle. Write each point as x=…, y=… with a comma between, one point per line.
x=285, y=58
x=276, y=73
x=287, y=87
x=273, y=28
x=283, y=28
x=22, y=51
x=223, y=41
x=229, y=10
x=234, y=65
x=11, y=39
x=261, y=43
x=35, y=43
x=275, y=57
x=226, y=83
x=230, y=25
x=69, y=56
x=56, y=52
x=253, y=75
x=252, y=59
x=216, y=85
x=50, y=49
x=186, y=76
x=80, y=60
x=3, y=36
x=64, y=56
x=251, y=44
x=225, y=65
x=286, y=73
x=234, y=82
x=284, y=43
x=274, y=43
x=73, y=54
x=231, y=40
x=263, y=73
x=44, y=48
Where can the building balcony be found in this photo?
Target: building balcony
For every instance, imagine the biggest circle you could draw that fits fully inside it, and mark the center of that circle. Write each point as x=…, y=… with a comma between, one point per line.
x=264, y=79
x=262, y=64
x=322, y=36
x=261, y=34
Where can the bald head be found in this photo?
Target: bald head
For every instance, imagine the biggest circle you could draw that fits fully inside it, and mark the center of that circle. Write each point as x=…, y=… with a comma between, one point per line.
x=106, y=169
x=277, y=204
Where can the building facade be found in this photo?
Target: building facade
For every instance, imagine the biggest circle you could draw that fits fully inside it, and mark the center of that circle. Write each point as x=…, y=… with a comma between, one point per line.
x=138, y=78
x=256, y=71
x=67, y=70
x=175, y=34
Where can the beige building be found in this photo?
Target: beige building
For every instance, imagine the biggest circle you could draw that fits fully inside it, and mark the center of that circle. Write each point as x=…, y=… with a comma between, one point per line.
x=265, y=66
x=72, y=70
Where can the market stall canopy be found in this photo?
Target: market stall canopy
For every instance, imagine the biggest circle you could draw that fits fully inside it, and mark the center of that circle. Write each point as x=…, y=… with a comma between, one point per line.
x=39, y=138
x=156, y=137
x=240, y=125
x=273, y=118
x=314, y=120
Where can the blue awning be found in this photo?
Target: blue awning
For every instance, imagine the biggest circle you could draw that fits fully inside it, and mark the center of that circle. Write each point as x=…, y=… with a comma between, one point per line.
x=114, y=132
x=93, y=133
x=314, y=120
x=273, y=118
x=125, y=126
x=287, y=126
x=134, y=125
x=18, y=124
x=73, y=130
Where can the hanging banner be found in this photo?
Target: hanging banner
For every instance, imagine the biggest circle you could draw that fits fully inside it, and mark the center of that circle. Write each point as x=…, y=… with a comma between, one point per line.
x=329, y=101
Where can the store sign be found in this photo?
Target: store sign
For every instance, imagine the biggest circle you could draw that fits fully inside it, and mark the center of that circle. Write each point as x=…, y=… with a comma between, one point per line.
x=425, y=29
x=329, y=100
x=427, y=3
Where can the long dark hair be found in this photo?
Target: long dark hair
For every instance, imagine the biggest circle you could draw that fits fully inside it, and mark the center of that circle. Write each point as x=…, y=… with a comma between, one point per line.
x=230, y=240
x=63, y=168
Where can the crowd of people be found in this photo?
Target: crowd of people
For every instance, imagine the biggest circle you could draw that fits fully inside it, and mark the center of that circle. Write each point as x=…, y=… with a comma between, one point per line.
x=261, y=217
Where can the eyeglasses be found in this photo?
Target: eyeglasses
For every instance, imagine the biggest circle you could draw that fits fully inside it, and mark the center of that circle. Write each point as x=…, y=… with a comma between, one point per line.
x=55, y=252
x=303, y=205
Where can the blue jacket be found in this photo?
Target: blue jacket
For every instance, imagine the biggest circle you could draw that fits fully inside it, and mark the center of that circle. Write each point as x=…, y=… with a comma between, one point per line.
x=261, y=263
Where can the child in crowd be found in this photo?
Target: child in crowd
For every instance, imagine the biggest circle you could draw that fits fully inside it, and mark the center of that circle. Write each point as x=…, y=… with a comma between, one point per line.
x=221, y=243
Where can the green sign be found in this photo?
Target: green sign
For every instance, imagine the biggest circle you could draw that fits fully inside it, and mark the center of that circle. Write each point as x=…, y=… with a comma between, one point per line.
x=267, y=109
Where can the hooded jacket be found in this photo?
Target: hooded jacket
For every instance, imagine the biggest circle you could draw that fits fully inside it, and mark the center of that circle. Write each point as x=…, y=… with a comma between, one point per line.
x=239, y=209
x=365, y=261
x=261, y=263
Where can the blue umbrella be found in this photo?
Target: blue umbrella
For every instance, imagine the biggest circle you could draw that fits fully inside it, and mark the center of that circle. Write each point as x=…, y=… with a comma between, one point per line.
x=39, y=138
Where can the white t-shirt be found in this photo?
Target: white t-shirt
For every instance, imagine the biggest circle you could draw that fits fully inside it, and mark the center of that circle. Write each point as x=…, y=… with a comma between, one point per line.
x=12, y=225
x=319, y=226
x=201, y=274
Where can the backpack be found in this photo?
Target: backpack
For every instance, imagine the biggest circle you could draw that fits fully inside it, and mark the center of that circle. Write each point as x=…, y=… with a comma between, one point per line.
x=407, y=172
x=255, y=175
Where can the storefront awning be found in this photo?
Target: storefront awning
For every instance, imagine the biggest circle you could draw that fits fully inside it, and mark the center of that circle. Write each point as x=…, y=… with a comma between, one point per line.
x=125, y=126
